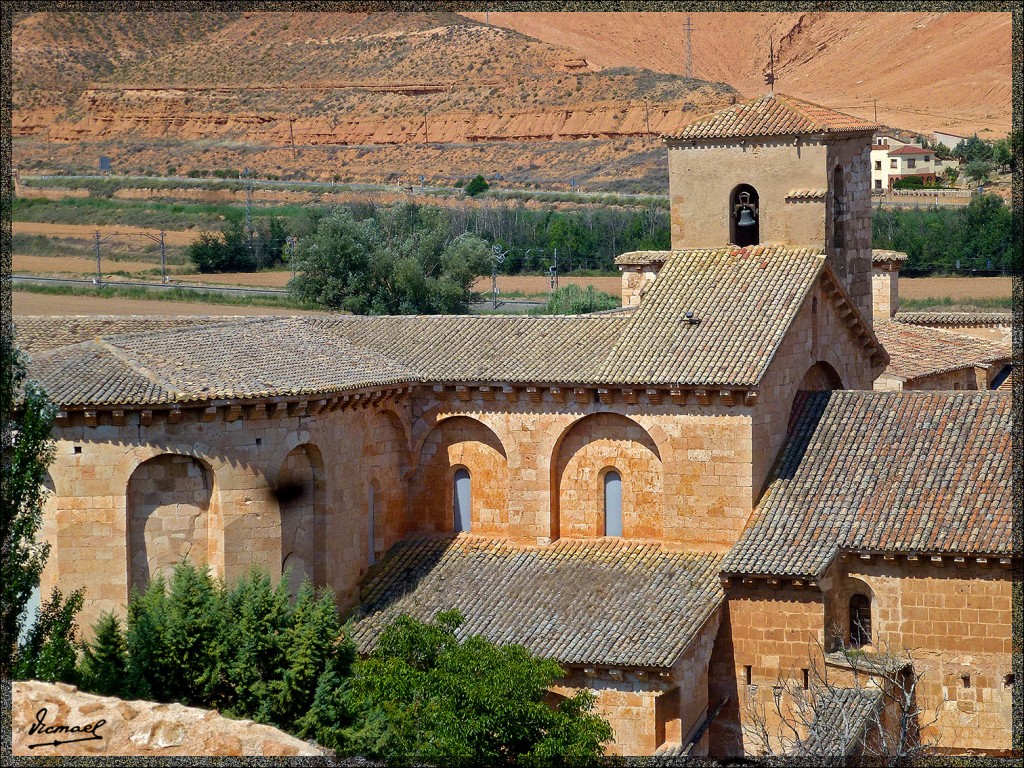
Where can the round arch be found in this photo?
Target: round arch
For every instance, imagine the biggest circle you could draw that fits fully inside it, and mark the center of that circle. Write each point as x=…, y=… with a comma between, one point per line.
x=583, y=455
x=454, y=442
x=300, y=494
x=821, y=377
x=170, y=498
x=744, y=216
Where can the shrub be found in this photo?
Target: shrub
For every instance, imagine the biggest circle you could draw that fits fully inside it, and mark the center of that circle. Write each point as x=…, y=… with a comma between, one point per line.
x=425, y=695
x=573, y=300
x=104, y=664
x=476, y=186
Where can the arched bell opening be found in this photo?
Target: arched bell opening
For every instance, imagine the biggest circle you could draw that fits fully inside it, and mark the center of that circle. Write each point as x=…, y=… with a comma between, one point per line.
x=744, y=216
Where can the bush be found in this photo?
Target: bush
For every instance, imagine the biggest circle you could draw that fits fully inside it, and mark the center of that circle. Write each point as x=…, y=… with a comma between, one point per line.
x=400, y=260
x=425, y=695
x=250, y=651
x=573, y=300
x=476, y=186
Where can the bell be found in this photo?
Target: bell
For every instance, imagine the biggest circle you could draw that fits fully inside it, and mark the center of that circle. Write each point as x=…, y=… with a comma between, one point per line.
x=746, y=218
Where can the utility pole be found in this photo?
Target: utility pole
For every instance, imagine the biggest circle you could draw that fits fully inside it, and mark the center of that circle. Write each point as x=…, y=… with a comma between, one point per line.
x=163, y=259
x=425, y=139
x=876, y=109
x=99, y=272
x=291, y=134
x=689, y=49
x=647, y=116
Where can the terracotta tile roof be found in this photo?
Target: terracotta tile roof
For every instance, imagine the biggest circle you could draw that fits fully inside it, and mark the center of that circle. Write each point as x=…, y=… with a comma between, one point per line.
x=744, y=300
x=956, y=318
x=911, y=149
x=605, y=601
x=254, y=357
x=90, y=373
x=771, y=115
x=926, y=472
x=511, y=348
x=35, y=333
x=642, y=257
x=841, y=717
x=916, y=351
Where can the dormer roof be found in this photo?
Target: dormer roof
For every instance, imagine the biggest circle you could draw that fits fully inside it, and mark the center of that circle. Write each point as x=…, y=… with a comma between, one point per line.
x=771, y=115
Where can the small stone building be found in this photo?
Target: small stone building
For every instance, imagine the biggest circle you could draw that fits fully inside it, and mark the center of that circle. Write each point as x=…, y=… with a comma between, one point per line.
x=595, y=488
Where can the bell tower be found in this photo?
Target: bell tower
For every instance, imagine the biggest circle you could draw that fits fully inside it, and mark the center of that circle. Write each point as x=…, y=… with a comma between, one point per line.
x=777, y=170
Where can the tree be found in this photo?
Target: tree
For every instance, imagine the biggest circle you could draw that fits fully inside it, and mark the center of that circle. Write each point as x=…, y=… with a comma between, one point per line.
x=943, y=152
x=423, y=694
x=972, y=149
x=402, y=260
x=856, y=704
x=49, y=651
x=476, y=186
x=978, y=171
x=573, y=300
x=27, y=452
x=104, y=665
x=1001, y=153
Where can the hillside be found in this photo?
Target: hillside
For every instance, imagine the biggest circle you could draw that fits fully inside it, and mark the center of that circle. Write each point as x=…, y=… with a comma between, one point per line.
x=334, y=95
x=927, y=71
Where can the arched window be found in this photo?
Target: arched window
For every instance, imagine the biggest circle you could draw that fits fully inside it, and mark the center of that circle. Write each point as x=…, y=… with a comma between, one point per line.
x=860, y=620
x=612, y=504
x=461, y=500
x=838, y=207
x=370, y=512
x=744, y=216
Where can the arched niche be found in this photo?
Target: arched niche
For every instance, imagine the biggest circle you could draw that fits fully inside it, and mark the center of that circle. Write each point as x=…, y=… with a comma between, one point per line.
x=169, y=504
x=300, y=497
x=821, y=377
x=591, y=448
x=454, y=444
x=744, y=196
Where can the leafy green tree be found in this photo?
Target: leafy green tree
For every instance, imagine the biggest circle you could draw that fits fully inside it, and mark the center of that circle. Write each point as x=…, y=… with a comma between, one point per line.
x=227, y=251
x=943, y=152
x=49, y=652
x=978, y=171
x=104, y=665
x=1001, y=154
x=476, y=186
x=950, y=175
x=28, y=419
x=403, y=260
x=423, y=694
x=972, y=150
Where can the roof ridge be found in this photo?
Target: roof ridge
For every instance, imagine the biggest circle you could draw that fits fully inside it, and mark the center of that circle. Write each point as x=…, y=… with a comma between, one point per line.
x=137, y=367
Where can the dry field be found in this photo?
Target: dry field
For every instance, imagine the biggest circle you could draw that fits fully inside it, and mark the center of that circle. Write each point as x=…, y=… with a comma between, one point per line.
x=539, y=285
x=49, y=304
x=87, y=231
x=955, y=287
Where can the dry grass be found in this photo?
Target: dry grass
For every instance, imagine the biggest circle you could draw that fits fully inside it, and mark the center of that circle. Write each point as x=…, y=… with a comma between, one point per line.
x=48, y=304
x=80, y=231
x=539, y=285
x=955, y=288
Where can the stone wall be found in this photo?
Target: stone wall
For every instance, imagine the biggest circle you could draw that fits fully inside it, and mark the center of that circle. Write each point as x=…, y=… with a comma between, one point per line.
x=168, y=504
x=956, y=620
x=776, y=633
x=850, y=256
x=819, y=343
x=885, y=296
x=594, y=446
x=702, y=178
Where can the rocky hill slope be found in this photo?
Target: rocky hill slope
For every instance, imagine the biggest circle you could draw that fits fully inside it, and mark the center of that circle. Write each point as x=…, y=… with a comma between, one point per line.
x=250, y=84
x=539, y=99
x=923, y=71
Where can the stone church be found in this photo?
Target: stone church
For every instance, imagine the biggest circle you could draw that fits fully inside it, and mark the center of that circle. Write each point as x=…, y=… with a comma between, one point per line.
x=684, y=501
